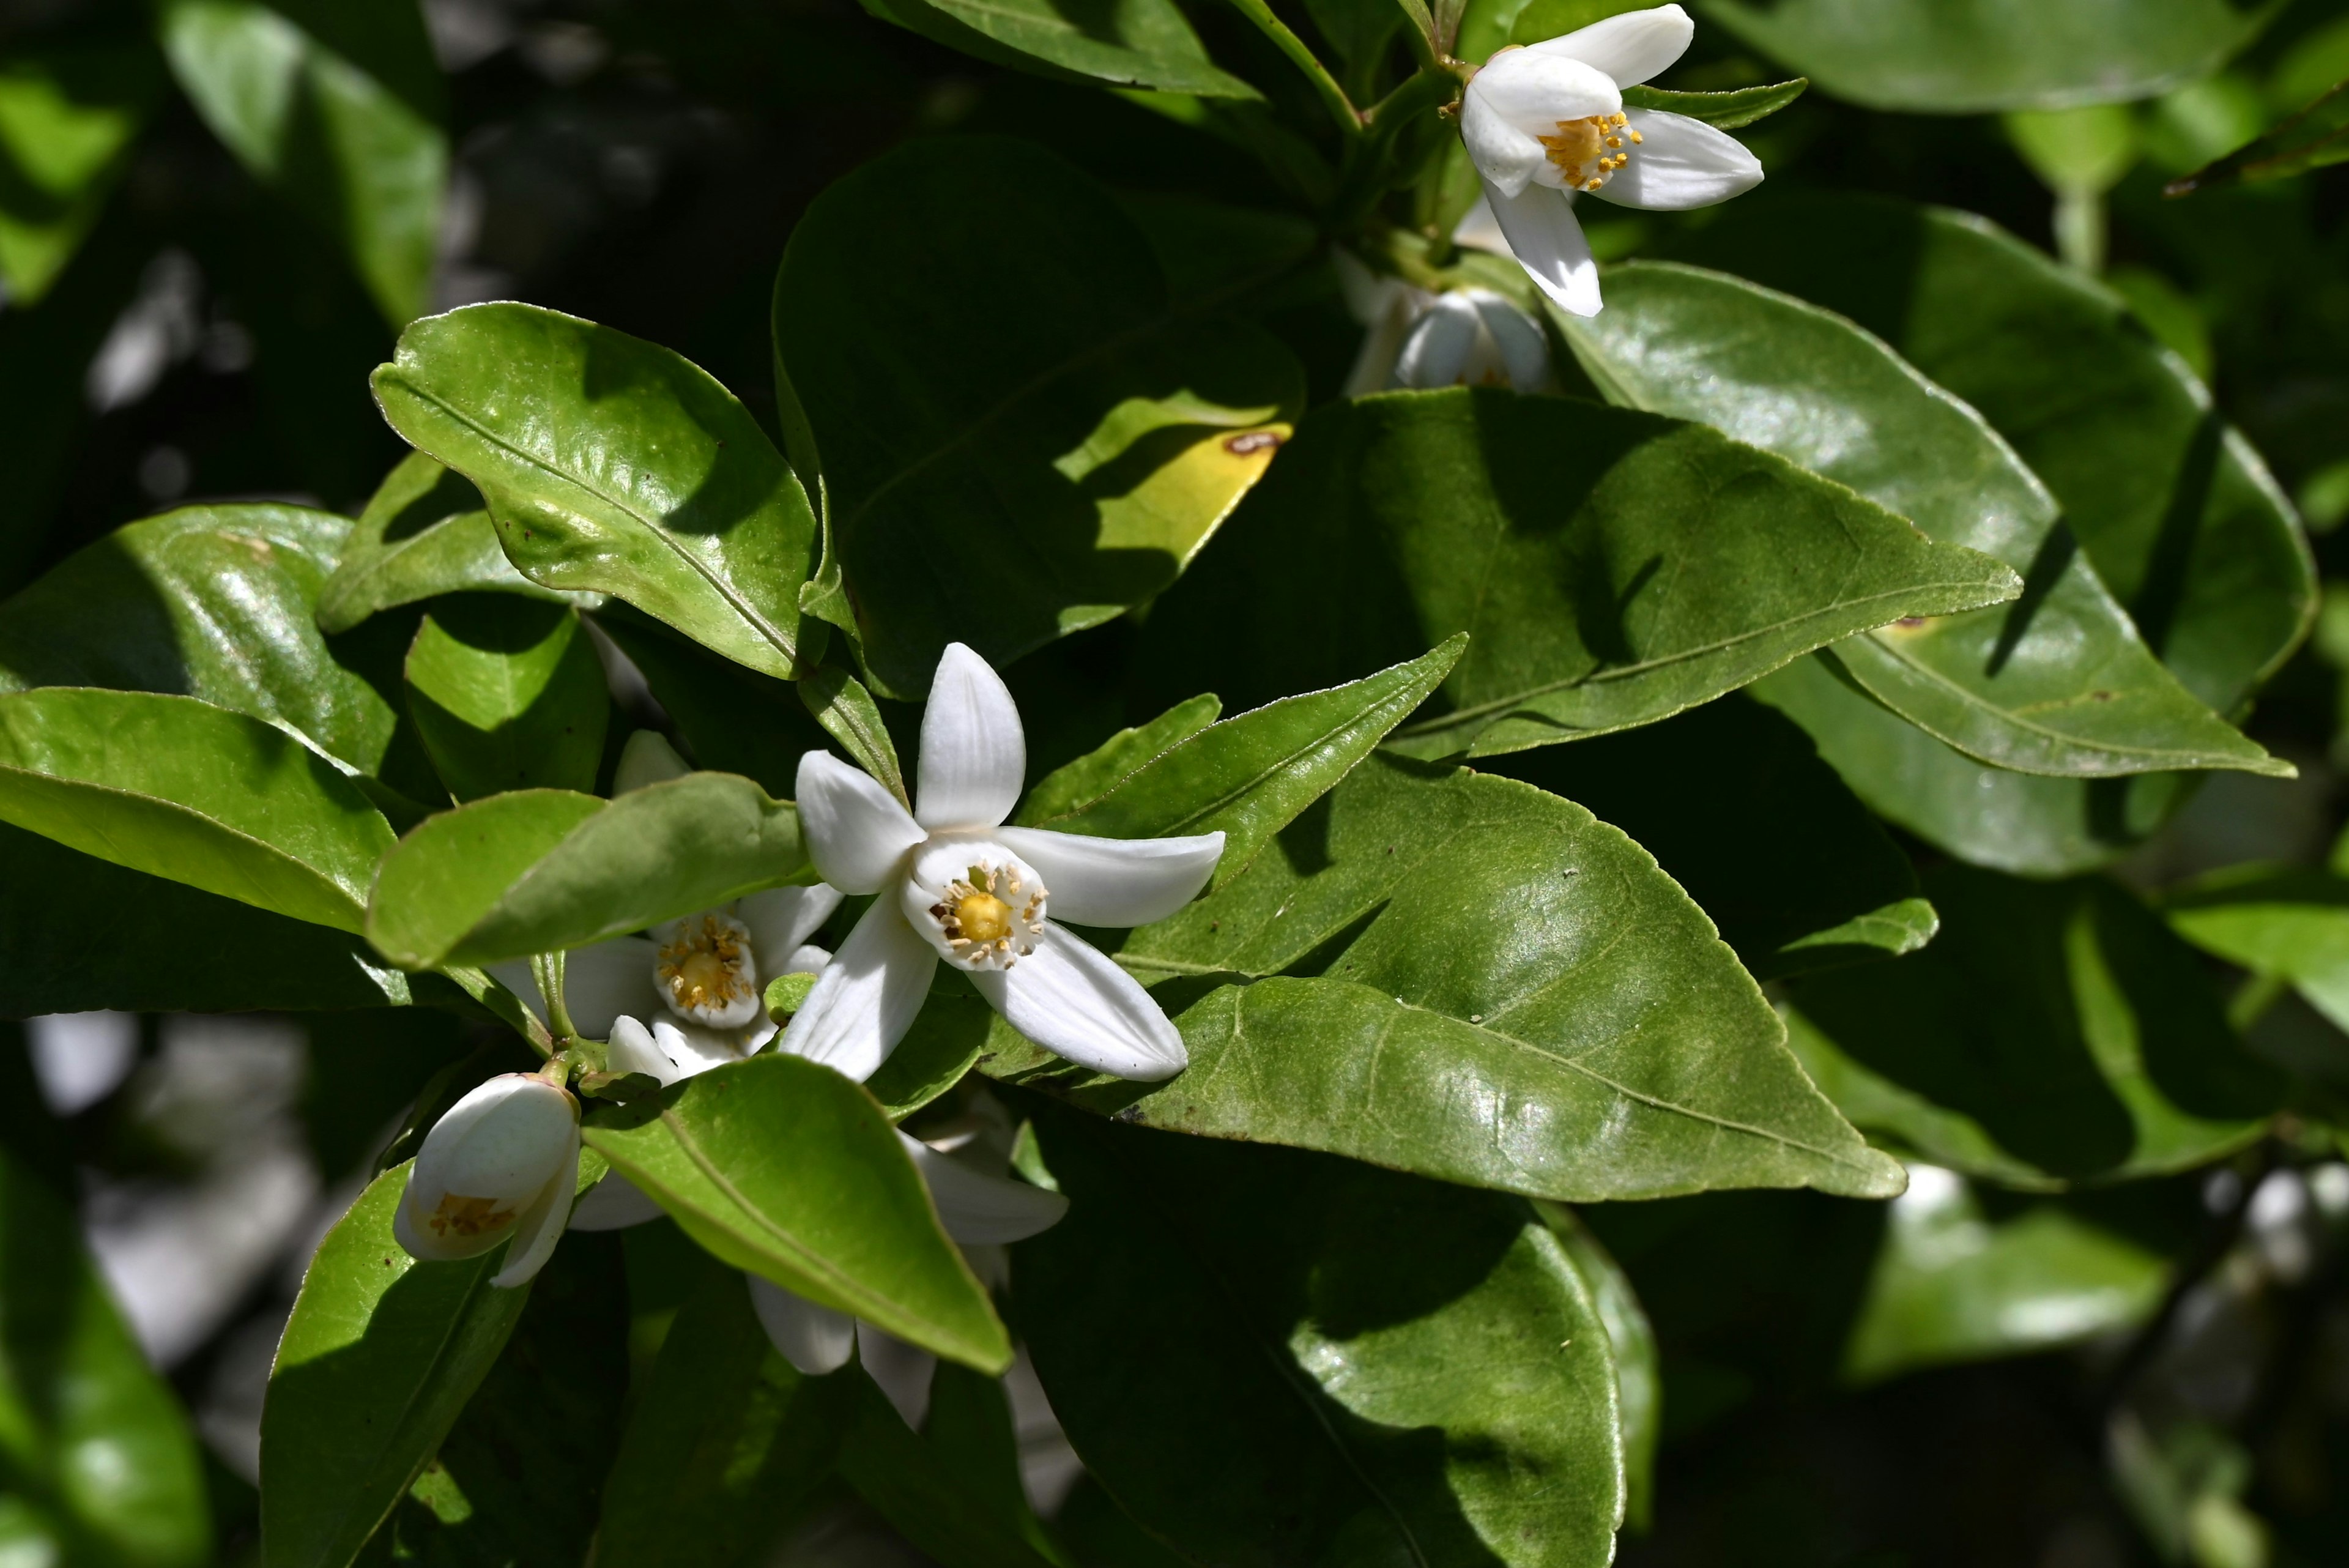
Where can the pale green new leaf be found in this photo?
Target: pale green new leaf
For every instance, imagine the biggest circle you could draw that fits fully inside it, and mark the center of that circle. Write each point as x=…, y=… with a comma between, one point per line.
x=1133, y=43
x=2290, y=922
x=424, y=533
x=780, y=1166
x=507, y=695
x=68, y=114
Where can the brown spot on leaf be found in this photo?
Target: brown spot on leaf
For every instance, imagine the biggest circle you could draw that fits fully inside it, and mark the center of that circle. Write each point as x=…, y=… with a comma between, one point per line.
x=1248, y=442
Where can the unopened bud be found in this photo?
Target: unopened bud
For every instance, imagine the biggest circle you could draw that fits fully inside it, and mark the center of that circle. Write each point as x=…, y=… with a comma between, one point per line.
x=500, y=1165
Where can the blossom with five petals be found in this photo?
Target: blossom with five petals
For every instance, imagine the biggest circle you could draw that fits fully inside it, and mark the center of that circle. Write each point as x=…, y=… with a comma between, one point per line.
x=1546, y=123
x=953, y=883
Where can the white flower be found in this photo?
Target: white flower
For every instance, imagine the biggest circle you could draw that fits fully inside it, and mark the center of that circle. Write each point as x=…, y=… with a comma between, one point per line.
x=1473, y=337
x=697, y=982
x=502, y=1163
x=981, y=1208
x=1544, y=123
x=953, y=883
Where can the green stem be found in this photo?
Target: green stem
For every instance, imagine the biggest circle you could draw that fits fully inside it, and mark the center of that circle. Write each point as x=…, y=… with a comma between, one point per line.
x=547, y=970
x=2253, y=998
x=1333, y=97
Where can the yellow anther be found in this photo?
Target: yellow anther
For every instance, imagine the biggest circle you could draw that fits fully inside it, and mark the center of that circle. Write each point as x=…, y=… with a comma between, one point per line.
x=468, y=1216
x=1636, y=137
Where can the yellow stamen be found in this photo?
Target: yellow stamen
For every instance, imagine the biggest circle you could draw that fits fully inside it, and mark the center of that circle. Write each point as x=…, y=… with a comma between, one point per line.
x=469, y=1217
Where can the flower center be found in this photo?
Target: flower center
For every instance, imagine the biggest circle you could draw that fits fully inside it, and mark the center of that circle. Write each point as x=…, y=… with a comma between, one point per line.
x=705, y=971
x=469, y=1217
x=980, y=906
x=1589, y=151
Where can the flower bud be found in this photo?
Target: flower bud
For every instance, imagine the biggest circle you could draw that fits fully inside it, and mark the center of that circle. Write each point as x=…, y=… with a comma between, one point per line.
x=501, y=1164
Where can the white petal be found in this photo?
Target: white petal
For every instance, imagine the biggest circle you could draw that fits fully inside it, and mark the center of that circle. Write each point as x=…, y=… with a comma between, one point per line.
x=1629, y=47
x=1073, y=1000
x=537, y=1232
x=1368, y=295
x=1115, y=881
x=815, y=1339
x=648, y=758
x=867, y=996
x=1548, y=244
x=1479, y=230
x=977, y=1207
x=856, y=830
x=613, y=1203
x=1516, y=338
x=696, y=1047
x=973, y=752
x=805, y=958
x=633, y=1050
x=502, y=1142
x=1505, y=155
x=1681, y=163
x=1535, y=92
x=781, y=919
x=608, y=981
x=1436, y=351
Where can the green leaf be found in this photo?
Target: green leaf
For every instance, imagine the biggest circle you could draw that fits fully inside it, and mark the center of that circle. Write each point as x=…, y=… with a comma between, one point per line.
x=1631, y=1340
x=208, y=601
x=725, y=1445
x=2058, y=683
x=955, y=1519
x=76, y=932
x=1969, y=57
x=1483, y=984
x=2051, y=1033
x=2171, y=505
x=1249, y=777
x=2315, y=138
x=1951, y=1285
x=179, y=788
x=540, y=870
x=1137, y=43
x=954, y=1029
x=780, y=1166
x=89, y=1437
x=1612, y=567
x=507, y=695
x=846, y=711
x=1728, y=110
x=729, y=720
x=337, y=104
x=516, y=1480
x=2290, y=922
x=378, y=1360
x=424, y=533
x=1344, y=1364
x=1034, y=450
x=613, y=465
x=1066, y=790
x=1737, y=808
x=68, y=114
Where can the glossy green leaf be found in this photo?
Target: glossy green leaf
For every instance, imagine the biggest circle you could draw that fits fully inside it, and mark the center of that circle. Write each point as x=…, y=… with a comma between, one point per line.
x=1611, y=568
x=1067, y=790
x=1728, y=110
x=377, y=1362
x=2315, y=138
x=1134, y=43
x=1343, y=1363
x=90, y=1436
x=1248, y=777
x=1950, y=1284
x=423, y=533
x=78, y=932
x=954, y=1029
x=782, y=1167
x=1033, y=450
x=2058, y=683
x=208, y=601
x=507, y=695
x=179, y=788
x=539, y=870
x=956, y=1518
x=516, y=1480
x=68, y=114
x=1737, y=808
x=613, y=465
x=2051, y=1033
x=337, y=105
x=1631, y=1340
x=1967, y=57
x=2273, y=920
x=846, y=711
x=729, y=720
x=1481, y=983
x=2172, y=506
x=726, y=1443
